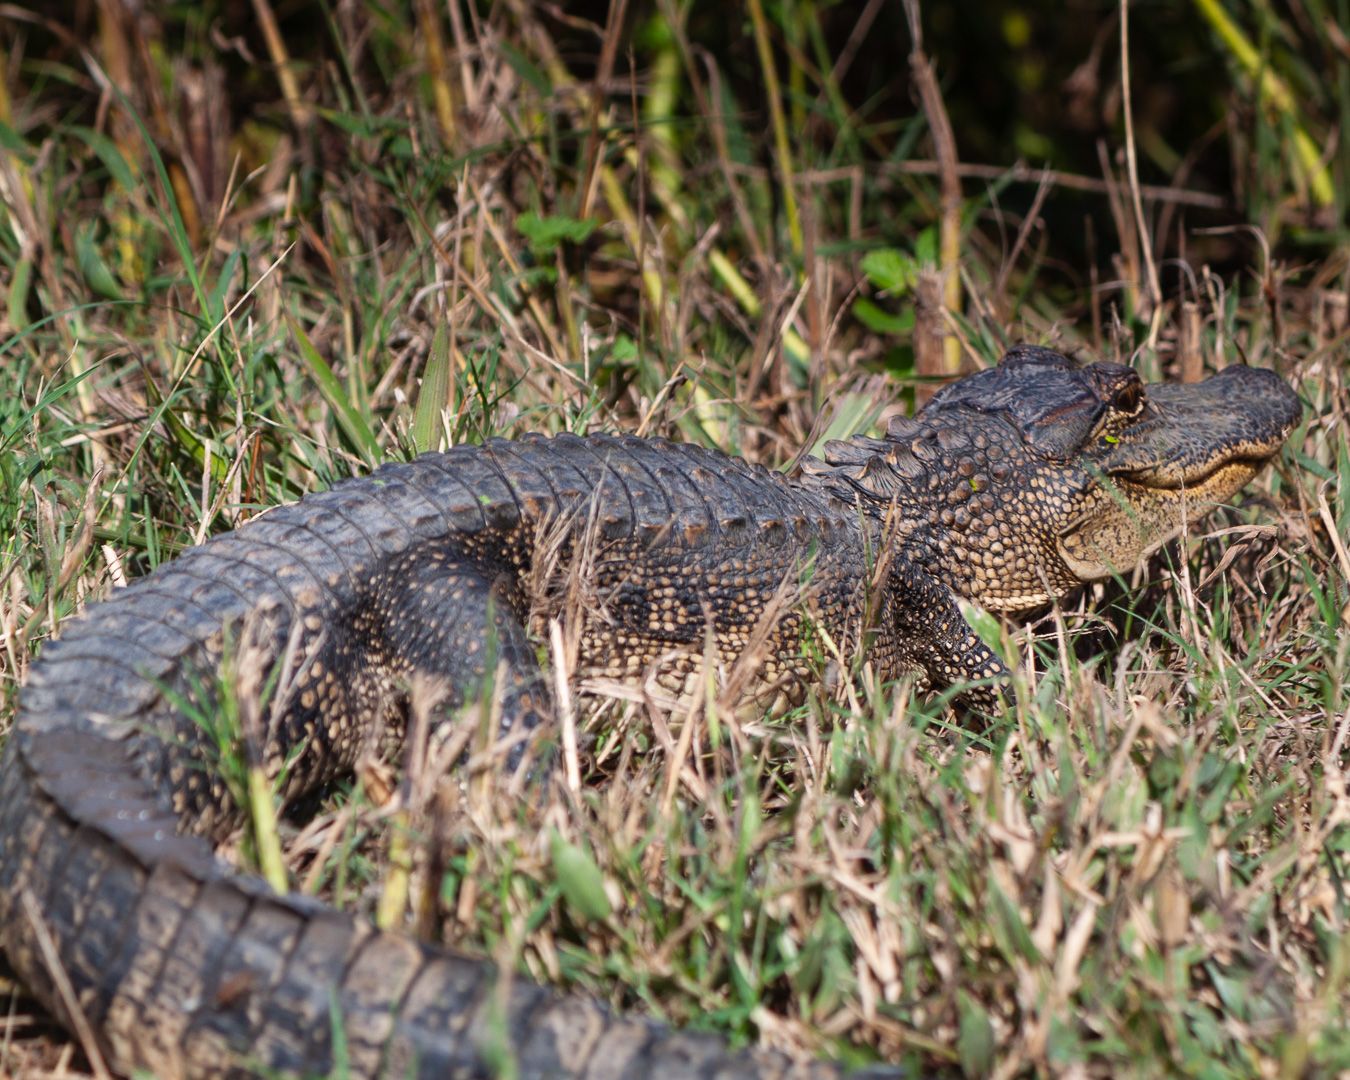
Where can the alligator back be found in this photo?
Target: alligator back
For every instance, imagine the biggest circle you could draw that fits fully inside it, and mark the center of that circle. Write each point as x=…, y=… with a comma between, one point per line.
x=113, y=907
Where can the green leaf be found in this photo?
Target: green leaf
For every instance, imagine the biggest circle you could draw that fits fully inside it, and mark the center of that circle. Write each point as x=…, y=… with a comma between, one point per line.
x=190, y=442
x=853, y=412
x=752, y=819
x=523, y=66
x=216, y=300
x=357, y=124
x=92, y=266
x=624, y=349
x=352, y=423
x=263, y=812
x=926, y=247
x=434, y=394
x=108, y=153
x=532, y=276
x=881, y=321
x=975, y=1038
x=1008, y=926
x=582, y=884
x=989, y=629
x=545, y=234
x=18, y=293
x=12, y=141
x=889, y=269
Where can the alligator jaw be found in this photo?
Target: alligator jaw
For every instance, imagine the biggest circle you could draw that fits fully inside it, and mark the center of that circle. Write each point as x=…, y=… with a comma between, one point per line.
x=1142, y=518
x=1214, y=483
x=1145, y=511
x=1202, y=436
x=1195, y=447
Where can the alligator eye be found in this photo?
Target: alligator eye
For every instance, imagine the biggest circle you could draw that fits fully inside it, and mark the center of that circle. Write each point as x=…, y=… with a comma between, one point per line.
x=1129, y=399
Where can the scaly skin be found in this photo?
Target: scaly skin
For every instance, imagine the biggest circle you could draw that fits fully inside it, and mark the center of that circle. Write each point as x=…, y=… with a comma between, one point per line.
x=1012, y=486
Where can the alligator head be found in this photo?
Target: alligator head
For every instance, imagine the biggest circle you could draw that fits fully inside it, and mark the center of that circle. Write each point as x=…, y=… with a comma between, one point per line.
x=1019, y=482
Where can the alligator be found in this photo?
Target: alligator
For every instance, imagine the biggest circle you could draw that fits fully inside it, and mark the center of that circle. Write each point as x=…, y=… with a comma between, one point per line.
x=1010, y=487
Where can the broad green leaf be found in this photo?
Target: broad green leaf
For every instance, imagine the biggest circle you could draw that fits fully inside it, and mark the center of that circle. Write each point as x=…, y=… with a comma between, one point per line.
x=545, y=234
x=975, y=1041
x=889, y=269
x=92, y=266
x=18, y=293
x=582, y=884
x=434, y=394
x=926, y=247
x=880, y=320
x=108, y=153
x=989, y=630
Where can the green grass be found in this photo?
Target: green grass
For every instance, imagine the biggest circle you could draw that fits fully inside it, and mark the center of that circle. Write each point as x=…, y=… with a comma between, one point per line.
x=447, y=230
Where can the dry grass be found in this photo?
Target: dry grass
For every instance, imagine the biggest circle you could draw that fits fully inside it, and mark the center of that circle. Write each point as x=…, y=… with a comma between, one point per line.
x=452, y=223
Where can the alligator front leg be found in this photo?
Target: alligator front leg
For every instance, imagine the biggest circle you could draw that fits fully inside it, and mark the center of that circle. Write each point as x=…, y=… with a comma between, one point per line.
x=935, y=638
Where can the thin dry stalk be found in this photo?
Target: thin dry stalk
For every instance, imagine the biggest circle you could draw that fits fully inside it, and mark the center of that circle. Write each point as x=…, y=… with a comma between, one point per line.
x=1153, y=295
x=1128, y=258
x=51, y=958
x=281, y=60
x=1029, y=223
x=609, y=51
x=923, y=71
